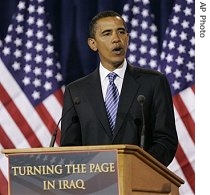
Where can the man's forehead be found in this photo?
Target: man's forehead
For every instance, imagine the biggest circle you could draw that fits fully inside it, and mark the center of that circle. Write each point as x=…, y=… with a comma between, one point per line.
x=110, y=22
x=110, y=18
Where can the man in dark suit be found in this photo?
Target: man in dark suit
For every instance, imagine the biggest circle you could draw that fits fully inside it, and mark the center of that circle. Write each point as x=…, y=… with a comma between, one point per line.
x=86, y=121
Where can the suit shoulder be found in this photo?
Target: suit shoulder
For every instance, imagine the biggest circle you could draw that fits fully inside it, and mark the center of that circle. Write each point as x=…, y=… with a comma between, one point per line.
x=145, y=72
x=83, y=80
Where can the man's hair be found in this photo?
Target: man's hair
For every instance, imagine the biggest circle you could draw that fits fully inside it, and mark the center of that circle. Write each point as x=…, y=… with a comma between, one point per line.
x=100, y=15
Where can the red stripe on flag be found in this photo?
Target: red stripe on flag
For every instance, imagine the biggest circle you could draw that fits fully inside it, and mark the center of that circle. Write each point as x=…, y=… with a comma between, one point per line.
x=58, y=137
x=185, y=115
x=3, y=184
x=46, y=117
x=18, y=118
x=59, y=96
x=193, y=88
x=5, y=140
x=47, y=120
x=186, y=167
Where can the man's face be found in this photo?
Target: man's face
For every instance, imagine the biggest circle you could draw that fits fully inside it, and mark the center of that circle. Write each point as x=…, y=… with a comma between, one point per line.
x=111, y=41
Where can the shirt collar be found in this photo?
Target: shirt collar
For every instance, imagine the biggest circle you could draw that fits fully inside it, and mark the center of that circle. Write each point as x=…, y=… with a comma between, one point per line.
x=120, y=71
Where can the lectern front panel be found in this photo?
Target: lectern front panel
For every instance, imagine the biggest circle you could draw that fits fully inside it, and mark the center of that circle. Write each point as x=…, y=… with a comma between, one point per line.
x=55, y=173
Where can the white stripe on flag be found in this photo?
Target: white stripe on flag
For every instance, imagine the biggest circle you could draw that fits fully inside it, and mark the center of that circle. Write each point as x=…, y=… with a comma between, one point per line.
x=175, y=168
x=188, y=97
x=4, y=164
x=55, y=111
x=185, y=140
x=11, y=129
x=53, y=106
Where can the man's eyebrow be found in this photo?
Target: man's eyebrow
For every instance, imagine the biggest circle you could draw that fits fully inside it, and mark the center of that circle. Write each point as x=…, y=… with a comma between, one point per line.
x=109, y=30
x=122, y=28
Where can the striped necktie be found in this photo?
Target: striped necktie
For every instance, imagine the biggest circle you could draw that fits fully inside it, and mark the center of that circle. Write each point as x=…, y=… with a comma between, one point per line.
x=111, y=100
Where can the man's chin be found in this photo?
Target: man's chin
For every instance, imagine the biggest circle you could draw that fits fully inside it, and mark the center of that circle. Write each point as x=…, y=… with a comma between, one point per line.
x=118, y=63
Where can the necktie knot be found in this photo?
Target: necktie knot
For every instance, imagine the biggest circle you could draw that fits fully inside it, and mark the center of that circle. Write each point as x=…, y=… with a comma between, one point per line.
x=112, y=76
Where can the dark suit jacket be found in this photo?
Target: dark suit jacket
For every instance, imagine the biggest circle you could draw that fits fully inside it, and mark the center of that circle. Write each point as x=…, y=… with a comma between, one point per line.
x=86, y=123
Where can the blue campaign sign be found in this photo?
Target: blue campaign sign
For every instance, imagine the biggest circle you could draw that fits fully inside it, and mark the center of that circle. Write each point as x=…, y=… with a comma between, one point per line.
x=59, y=173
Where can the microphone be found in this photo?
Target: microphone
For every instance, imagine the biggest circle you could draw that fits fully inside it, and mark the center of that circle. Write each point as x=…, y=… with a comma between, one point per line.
x=74, y=119
x=141, y=100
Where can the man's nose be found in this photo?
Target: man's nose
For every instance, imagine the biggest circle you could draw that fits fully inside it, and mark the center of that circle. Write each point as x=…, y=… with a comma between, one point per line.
x=116, y=37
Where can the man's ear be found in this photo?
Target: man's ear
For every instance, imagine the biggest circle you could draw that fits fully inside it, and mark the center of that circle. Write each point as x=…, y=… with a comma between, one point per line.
x=92, y=44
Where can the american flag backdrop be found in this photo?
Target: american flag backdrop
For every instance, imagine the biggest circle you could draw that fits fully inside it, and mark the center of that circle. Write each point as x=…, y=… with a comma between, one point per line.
x=30, y=83
x=177, y=62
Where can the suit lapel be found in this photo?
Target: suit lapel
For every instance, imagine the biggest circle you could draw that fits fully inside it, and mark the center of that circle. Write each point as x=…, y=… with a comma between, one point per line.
x=95, y=97
x=128, y=93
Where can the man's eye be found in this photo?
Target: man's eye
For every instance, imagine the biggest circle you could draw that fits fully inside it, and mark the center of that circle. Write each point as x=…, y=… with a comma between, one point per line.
x=122, y=32
x=106, y=34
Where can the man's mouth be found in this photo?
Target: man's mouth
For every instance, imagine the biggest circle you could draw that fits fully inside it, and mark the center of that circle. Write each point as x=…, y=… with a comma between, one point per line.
x=117, y=50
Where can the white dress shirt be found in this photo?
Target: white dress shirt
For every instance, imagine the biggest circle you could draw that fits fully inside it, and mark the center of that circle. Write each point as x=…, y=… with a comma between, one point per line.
x=120, y=71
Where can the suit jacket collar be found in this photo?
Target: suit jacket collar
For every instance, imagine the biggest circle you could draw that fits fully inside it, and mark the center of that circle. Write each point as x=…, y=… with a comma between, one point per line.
x=95, y=96
x=128, y=95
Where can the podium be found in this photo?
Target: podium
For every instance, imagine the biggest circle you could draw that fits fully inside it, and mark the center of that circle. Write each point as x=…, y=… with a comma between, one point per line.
x=95, y=170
